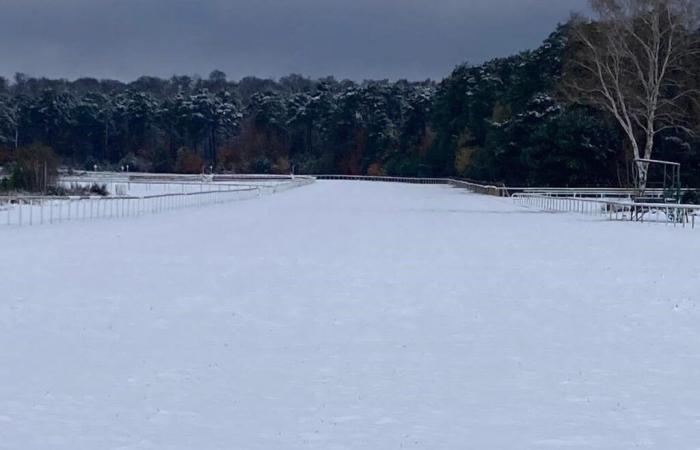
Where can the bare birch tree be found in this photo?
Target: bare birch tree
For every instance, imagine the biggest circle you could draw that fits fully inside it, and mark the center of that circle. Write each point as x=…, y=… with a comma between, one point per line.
x=632, y=61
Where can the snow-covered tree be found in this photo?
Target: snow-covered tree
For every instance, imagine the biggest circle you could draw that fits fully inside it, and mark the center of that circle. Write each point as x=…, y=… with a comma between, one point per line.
x=633, y=63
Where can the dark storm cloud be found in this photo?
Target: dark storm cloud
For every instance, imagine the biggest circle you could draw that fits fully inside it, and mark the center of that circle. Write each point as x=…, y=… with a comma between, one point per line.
x=355, y=39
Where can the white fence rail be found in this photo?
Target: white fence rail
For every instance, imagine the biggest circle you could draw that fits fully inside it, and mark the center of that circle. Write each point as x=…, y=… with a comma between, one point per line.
x=624, y=193
x=411, y=180
x=675, y=214
x=124, y=177
x=611, y=203
x=37, y=210
x=499, y=191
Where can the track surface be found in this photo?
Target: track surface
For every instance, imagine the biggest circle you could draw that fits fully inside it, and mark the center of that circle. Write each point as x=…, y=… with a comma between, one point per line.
x=350, y=315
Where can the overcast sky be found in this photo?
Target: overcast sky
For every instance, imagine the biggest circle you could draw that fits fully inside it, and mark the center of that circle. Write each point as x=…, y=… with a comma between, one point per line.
x=357, y=39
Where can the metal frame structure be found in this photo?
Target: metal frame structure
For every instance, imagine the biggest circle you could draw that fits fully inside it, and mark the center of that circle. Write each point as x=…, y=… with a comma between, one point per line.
x=670, y=184
x=613, y=209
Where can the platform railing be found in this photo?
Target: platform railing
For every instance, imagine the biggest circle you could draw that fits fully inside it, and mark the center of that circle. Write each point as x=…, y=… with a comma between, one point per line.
x=613, y=209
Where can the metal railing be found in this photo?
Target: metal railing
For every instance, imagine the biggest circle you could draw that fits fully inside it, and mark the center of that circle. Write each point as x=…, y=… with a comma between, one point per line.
x=135, y=177
x=411, y=180
x=475, y=186
x=612, y=203
x=24, y=210
x=669, y=213
x=595, y=192
x=499, y=191
x=159, y=187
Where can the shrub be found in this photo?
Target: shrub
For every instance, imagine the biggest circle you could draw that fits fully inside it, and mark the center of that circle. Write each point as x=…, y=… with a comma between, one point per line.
x=163, y=161
x=282, y=166
x=76, y=189
x=35, y=169
x=99, y=189
x=228, y=159
x=188, y=162
x=261, y=166
x=6, y=185
x=375, y=170
x=135, y=163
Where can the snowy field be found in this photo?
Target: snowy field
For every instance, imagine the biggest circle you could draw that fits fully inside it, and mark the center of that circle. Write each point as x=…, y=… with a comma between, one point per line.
x=350, y=315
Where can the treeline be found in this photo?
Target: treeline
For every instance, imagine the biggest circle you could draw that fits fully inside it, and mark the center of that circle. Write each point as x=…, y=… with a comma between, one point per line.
x=504, y=120
x=510, y=120
x=188, y=124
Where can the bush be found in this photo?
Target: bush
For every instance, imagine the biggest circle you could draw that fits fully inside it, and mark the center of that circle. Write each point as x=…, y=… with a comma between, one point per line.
x=228, y=159
x=261, y=166
x=163, y=161
x=76, y=189
x=375, y=170
x=282, y=166
x=35, y=169
x=99, y=189
x=188, y=162
x=6, y=185
x=135, y=163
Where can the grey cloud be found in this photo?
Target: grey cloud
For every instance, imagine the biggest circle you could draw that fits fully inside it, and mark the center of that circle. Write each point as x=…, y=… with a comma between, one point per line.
x=346, y=38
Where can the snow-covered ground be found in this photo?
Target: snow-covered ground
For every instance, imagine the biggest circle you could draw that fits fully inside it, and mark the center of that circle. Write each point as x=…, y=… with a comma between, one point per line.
x=350, y=315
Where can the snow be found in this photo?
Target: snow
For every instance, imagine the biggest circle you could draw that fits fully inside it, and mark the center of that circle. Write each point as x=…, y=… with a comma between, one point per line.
x=656, y=216
x=350, y=315
x=146, y=188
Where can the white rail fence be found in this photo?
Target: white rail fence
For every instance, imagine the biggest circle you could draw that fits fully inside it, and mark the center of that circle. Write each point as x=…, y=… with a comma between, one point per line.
x=605, y=193
x=134, y=177
x=676, y=214
x=383, y=179
x=38, y=210
x=611, y=203
x=500, y=191
x=190, y=191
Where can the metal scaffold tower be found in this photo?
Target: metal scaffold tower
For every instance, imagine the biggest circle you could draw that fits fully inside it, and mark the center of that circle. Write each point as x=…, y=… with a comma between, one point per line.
x=663, y=181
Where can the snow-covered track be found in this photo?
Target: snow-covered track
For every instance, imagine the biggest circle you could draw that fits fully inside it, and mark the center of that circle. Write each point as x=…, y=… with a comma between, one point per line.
x=350, y=315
